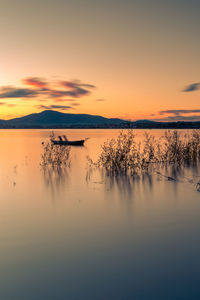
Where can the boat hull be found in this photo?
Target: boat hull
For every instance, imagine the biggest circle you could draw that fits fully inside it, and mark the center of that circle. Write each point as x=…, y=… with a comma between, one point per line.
x=69, y=143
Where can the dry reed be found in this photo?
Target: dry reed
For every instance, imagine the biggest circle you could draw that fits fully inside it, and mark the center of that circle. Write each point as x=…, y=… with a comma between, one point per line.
x=55, y=155
x=124, y=155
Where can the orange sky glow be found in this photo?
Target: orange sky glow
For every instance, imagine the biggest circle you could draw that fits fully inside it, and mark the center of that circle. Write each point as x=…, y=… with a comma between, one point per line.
x=132, y=60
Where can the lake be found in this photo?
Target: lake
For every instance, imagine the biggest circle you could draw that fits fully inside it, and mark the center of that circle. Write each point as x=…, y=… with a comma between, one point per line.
x=77, y=234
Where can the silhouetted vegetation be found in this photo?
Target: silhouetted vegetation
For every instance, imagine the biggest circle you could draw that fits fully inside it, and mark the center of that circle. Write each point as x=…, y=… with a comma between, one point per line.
x=125, y=155
x=55, y=155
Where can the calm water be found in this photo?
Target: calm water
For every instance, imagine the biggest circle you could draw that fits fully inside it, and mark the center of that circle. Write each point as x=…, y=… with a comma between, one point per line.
x=77, y=235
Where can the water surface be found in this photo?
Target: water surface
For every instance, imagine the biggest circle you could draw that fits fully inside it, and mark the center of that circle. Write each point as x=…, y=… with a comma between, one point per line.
x=74, y=234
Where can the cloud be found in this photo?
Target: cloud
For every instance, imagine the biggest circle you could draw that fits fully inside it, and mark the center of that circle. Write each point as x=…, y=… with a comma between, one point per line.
x=100, y=100
x=6, y=104
x=174, y=115
x=43, y=90
x=76, y=93
x=11, y=105
x=12, y=92
x=77, y=88
x=64, y=100
x=76, y=83
x=192, y=87
x=177, y=112
x=68, y=84
x=179, y=118
x=60, y=107
x=75, y=104
x=35, y=82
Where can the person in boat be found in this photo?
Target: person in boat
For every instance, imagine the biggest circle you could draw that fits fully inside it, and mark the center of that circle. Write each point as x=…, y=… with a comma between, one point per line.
x=65, y=138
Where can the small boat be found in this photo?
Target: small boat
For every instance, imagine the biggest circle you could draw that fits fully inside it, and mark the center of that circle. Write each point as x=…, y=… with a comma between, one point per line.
x=69, y=143
x=66, y=142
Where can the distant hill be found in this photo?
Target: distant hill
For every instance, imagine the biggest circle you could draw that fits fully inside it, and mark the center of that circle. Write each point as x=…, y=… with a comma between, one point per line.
x=50, y=118
x=144, y=122
x=2, y=122
x=55, y=119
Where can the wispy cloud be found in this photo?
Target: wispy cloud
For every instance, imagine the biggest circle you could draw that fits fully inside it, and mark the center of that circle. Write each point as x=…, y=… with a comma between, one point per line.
x=76, y=93
x=13, y=92
x=76, y=88
x=11, y=105
x=100, y=100
x=179, y=118
x=192, y=87
x=63, y=100
x=35, y=82
x=76, y=84
x=174, y=115
x=38, y=87
x=60, y=107
x=7, y=104
x=75, y=104
x=177, y=112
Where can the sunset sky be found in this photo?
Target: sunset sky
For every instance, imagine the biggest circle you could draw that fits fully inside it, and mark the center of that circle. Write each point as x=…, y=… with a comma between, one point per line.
x=133, y=59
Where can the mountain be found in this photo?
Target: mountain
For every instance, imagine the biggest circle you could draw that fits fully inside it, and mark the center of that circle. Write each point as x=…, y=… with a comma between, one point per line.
x=146, y=122
x=55, y=119
x=50, y=118
x=2, y=122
